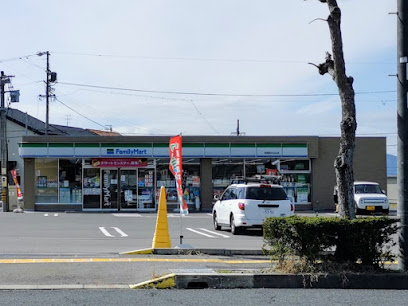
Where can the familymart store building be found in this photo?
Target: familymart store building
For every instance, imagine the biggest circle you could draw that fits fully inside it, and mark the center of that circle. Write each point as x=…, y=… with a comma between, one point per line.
x=121, y=173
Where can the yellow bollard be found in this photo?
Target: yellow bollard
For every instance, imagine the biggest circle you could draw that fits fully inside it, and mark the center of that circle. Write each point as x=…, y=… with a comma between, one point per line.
x=161, y=237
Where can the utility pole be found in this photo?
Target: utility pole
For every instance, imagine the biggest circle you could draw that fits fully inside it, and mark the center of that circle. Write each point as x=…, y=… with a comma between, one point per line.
x=3, y=145
x=3, y=142
x=47, y=95
x=402, y=144
x=51, y=78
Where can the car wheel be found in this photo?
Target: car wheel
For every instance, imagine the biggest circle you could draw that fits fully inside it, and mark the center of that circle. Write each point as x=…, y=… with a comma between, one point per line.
x=386, y=211
x=234, y=230
x=357, y=211
x=217, y=227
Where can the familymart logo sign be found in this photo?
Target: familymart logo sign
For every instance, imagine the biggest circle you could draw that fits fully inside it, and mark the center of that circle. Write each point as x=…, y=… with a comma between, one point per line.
x=127, y=152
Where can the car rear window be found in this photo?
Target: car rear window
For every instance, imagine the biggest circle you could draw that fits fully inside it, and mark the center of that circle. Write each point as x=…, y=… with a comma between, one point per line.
x=265, y=193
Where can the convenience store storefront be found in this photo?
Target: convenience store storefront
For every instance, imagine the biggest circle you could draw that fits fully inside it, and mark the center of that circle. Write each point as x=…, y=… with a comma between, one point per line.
x=105, y=173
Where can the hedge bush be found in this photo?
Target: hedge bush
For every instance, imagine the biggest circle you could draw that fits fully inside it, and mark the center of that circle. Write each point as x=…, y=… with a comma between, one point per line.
x=364, y=240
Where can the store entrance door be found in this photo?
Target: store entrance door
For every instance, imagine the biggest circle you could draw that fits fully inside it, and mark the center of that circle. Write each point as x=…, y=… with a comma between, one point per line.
x=137, y=189
x=115, y=189
x=110, y=189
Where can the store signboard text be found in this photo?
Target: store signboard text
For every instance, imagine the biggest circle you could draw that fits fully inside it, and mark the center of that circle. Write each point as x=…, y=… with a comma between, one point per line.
x=119, y=162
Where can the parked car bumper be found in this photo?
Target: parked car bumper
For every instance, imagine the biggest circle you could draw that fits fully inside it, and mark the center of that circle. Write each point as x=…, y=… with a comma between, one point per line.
x=242, y=221
x=374, y=208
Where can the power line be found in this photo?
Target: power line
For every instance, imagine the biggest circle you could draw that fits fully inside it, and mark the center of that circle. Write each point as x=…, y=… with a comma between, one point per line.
x=180, y=99
x=206, y=59
x=16, y=58
x=79, y=113
x=219, y=94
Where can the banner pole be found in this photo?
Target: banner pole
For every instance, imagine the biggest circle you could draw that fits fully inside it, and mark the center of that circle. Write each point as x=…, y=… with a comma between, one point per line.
x=181, y=227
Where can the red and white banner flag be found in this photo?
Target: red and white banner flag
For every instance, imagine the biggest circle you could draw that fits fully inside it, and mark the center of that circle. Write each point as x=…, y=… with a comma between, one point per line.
x=19, y=193
x=176, y=167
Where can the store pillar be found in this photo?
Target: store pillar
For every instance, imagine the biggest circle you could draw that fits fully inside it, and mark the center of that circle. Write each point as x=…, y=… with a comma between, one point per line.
x=206, y=184
x=29, y=183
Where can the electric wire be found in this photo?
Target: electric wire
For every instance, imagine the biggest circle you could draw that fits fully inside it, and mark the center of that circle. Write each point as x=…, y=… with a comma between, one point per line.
x=218, y=94
x=205, y=59
x=94, y=111
x=16, y=58
x=164, y=98
x=79, y=113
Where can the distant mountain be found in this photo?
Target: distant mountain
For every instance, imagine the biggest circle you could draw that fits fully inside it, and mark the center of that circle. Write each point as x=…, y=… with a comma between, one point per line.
x=391, y=165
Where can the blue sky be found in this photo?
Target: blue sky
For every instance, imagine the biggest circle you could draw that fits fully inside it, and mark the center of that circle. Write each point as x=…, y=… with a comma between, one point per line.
x=222, y=49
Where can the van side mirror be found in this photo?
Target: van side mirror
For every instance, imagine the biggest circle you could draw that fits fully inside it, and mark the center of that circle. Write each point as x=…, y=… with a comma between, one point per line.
x=383, y=191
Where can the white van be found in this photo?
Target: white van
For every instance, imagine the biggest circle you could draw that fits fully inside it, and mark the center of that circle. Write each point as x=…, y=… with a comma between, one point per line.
x=247, y=205
x=368, y=197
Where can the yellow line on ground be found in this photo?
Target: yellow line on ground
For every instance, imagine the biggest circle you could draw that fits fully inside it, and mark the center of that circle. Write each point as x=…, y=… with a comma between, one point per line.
x=245, y=261
x=91, y=260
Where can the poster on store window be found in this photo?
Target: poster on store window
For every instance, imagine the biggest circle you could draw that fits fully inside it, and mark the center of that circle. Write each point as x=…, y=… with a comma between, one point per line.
x=175, y=152
x=302, y=195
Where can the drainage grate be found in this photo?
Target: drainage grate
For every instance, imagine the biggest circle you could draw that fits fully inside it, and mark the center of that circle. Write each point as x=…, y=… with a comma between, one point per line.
x=197, y=285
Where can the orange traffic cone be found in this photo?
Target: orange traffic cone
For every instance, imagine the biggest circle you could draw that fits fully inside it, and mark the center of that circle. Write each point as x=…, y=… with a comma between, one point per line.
x=161, y=237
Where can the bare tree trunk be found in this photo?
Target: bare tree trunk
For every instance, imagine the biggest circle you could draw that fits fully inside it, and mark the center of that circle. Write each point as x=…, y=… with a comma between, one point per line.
x=343, y=163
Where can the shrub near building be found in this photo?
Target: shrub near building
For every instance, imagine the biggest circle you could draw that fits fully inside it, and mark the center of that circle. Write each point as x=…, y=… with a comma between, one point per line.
x=363, y=243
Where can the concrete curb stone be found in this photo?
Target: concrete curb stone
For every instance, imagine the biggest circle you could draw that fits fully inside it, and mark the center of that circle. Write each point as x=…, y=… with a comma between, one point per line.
x=322, y=281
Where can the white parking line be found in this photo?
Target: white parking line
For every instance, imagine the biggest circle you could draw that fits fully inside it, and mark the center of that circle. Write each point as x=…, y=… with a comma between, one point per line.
x=105, y=232
x=176, y=216
x=197, y=232
x=215, y=233
x=127, y=215
x=120, y=232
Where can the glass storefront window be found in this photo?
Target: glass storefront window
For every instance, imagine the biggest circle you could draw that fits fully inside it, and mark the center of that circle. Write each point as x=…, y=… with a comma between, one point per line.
x=191, y=181
x=295, y=165
x=92, y=188
x=145, y=187
x=223, y=174
x=166, y=179
x=298, y=187
x=128, y=185
x=191, y=185
x=110, y=188
x=295, y=175
x=70, y=181
x=46, y=180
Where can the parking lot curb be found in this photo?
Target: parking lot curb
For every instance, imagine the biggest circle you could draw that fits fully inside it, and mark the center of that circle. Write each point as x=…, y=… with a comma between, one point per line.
x=322, y=281
x=175, y=251
x=138, y=252
x=163, y=282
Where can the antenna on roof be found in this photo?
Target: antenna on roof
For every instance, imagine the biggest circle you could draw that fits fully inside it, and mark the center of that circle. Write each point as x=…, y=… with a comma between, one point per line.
x=68, y=119
x=238, y=133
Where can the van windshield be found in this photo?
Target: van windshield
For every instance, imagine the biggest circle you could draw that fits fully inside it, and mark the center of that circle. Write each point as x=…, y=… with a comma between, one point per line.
x=367, y=188
x=265, y=193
